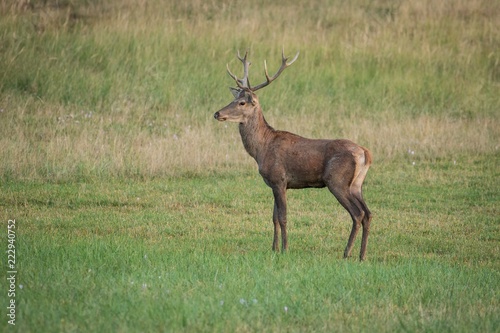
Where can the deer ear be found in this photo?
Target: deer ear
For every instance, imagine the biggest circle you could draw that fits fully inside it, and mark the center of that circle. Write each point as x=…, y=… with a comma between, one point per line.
x=235, y=91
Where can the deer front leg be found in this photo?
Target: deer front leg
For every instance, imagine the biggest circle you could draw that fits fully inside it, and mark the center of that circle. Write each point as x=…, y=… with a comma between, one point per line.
x=279, y=218
x=276, y=228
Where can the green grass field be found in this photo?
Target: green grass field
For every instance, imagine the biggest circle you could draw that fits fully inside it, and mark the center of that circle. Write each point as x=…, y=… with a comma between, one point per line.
x=137, y=212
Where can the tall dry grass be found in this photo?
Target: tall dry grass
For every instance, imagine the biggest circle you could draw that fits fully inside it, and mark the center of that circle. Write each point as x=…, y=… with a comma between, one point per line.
x=127, y=88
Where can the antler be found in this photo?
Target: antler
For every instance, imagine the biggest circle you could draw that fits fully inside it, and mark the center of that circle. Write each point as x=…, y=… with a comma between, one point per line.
x=244, y=83
x=284, y=64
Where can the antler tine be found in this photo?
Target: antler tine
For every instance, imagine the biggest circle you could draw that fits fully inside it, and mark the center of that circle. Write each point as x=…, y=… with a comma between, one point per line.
x=284, y=64
x=244, y=82
x=233, y=76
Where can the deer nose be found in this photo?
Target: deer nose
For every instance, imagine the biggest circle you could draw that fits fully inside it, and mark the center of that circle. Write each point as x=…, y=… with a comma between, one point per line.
x=216, y=115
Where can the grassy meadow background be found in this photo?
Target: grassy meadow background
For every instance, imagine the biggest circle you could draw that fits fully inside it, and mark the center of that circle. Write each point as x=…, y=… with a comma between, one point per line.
x=137, y=212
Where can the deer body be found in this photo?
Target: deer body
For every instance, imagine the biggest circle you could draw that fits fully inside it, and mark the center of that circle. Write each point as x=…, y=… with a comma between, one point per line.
x=289, y=161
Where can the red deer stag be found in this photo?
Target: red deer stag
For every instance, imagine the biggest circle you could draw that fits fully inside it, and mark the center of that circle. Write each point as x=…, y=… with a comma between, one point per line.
x=288, y=161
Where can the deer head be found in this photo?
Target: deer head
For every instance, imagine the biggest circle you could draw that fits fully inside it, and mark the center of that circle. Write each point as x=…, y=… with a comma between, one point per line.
x=245, y=102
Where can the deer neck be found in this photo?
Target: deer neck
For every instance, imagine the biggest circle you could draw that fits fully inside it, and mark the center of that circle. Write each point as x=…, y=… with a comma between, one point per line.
x=255, y=134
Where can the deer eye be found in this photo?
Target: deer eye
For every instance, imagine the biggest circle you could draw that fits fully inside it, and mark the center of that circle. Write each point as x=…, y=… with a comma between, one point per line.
x=242, y=103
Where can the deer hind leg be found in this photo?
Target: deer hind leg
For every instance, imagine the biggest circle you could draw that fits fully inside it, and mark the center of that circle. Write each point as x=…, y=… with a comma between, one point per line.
x=357, y=215
x=366, y=221
x=356, y=191
x=341, y=190
x=366, y=230
x=346, y=187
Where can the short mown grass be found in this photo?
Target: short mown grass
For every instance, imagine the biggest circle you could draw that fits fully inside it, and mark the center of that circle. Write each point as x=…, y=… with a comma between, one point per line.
x=194, y=254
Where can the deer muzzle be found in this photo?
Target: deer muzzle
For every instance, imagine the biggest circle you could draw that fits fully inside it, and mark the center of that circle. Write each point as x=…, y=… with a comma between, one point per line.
x=218, y=116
